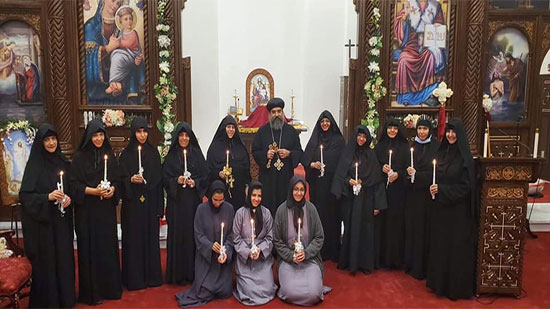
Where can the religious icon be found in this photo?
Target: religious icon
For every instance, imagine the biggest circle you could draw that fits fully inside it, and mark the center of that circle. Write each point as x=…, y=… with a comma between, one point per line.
x=115, y=62
x=15, y=148
x=21, y=80
x=420, y=50
x=506, y=76
x=259, y=89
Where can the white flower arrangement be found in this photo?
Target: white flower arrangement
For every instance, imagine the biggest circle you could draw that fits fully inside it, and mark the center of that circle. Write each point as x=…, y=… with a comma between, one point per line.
x=113, y=118
x=23, y=125
x=374, y=87
x=165, y=90
x=487, y=103
x=410, y=121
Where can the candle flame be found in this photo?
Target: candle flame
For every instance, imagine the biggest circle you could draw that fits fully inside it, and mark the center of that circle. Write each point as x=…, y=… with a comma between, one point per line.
x=391, y=151
x=321, y=146
x=105, y=157
x=139, y=147
x=434, y=162
x=184, y=151
x=251, y=221
x=227, y=152
x=412, y=149
x=299, y=221
x=223, y=224
x=61, y=173
x=356, y=164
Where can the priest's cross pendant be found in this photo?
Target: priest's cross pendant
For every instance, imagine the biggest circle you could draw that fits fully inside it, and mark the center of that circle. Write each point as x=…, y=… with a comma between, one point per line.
x=279, y=164
x=274, y=147
x=142, y=198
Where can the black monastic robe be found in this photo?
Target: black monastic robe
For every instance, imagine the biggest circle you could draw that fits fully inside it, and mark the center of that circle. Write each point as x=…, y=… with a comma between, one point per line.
x=95, y=219
x=48, y=233
x=142, y=205
x=181, y=205
x=319, y=187
x=275, y=181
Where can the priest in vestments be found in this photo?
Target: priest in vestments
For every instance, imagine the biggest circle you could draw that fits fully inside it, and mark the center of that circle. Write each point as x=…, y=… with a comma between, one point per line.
x=419, y=201
x=142, y=205
x=277, y=150
x=214, y=258
x=319, y=175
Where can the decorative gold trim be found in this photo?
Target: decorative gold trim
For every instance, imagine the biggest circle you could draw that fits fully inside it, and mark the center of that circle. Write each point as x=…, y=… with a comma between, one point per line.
x=499, y=172
x=528, y=26
x=508, y=193
x=32, y=19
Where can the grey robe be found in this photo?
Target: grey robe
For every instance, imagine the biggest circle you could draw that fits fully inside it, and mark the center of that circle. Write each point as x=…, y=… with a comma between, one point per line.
x=301, y=284
x=212, y=279
x=255, y=284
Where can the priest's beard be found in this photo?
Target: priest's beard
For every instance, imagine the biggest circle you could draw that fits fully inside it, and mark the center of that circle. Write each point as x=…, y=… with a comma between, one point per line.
x=276, y=123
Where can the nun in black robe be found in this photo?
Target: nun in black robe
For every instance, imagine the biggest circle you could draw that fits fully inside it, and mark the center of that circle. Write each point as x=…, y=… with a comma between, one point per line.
x=239, y=161
x=182, y=202
x=274, y=180
x=95, y=217
x=213, y=274
x=319, y=187
x=454, y=218
x=48, y=232
x=142, y=205
x=390, y=224
x=358, y=211
x=419, y=201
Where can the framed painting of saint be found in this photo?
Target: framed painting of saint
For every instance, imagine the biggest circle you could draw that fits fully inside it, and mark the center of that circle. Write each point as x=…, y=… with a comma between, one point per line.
x=21, y=72
x=419, y=52
x=505, y=79
x=259, y=89
x=14, y=154
x=115, y=58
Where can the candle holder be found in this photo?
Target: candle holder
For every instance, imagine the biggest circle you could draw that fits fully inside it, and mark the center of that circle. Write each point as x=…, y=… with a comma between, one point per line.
x=388, y=182
x=357, y=188
x=298, y=247
x=229, y=179
x=254, y=249
x=322, y=171
x=105, y=184
x=223, y=251
x=60, y=203
x=186, y=176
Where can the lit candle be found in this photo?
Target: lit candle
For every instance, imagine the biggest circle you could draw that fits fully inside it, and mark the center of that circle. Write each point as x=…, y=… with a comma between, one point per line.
x=390, y=159
x=185, y=160
x=105, y=169
x=253, y=230
x=139, y=159
x=356, y=171
x=485, y=142
x=61, y=181
x=434, y=162
x=321, y=154
x=299, y=224
x=412, y=157
x=221, y=238
x=227, y=161
x=536, y=146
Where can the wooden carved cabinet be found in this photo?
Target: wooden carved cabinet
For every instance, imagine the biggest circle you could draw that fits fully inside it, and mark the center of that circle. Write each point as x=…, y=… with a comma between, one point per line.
x=505, y=183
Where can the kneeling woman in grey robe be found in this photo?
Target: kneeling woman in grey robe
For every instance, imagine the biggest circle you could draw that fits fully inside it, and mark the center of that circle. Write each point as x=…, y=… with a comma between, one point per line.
x=254, y=267
x=297, y=224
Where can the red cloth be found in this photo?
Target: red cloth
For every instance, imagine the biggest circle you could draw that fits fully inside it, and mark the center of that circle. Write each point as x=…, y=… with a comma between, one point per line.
x=441, y=123
x=258, y=118
x=15, y=272
x=29, y=84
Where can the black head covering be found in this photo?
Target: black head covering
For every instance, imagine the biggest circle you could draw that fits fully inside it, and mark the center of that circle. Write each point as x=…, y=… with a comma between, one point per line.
x=150, y=158
x=297, y=207
x=195, y=160
x=330, y=139
x=450, y=153
x=238, y=155
x=398, y=145
x=425, y=123
x=275, y=102
x=217, y=186
x=90, y=169
x=424, y=153
x=255, y=213
x=41, y=160
x=369, y=168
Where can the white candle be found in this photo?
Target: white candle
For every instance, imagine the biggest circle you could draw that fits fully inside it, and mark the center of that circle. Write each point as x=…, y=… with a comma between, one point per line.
x=321, y=154
x=356, y=170
x=185, y=160
x=85, y=119
x=536, y=146
x=139, y=159
x=105, y=169
x=253, y=230
x=221, y=238
x=61, y=181
x=485, y=143
x=412, y=157
x=390, y=159
x=434, y=163
x=299, y=224
x=227, y=161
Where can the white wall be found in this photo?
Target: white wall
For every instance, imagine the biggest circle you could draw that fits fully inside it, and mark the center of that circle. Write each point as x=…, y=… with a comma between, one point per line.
x=300, y=42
